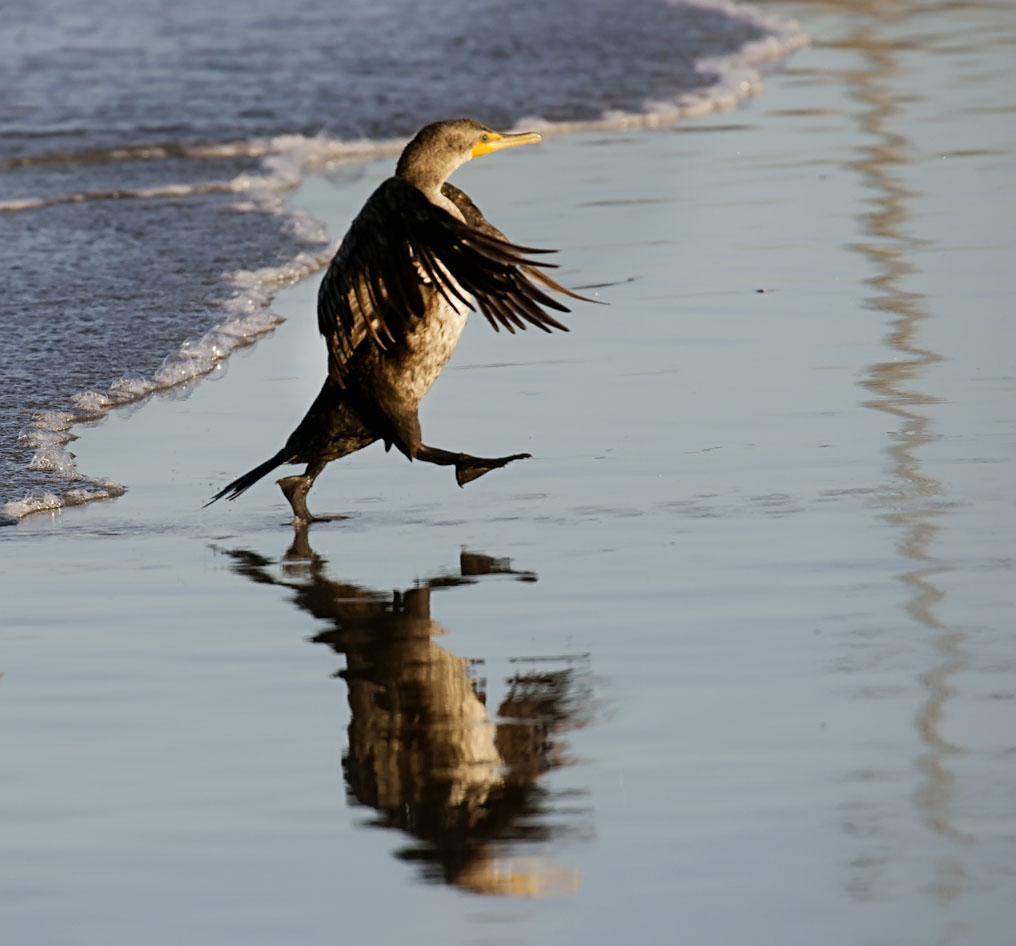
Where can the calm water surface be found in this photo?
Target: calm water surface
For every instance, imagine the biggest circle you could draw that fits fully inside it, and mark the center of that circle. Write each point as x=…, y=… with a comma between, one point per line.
x=729, y=661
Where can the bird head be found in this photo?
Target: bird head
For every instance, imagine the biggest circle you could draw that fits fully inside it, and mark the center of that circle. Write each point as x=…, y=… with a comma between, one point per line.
x=439, y=149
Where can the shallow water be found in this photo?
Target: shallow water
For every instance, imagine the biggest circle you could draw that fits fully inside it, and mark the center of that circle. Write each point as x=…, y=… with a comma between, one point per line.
x=143, y=150
x=741, y=627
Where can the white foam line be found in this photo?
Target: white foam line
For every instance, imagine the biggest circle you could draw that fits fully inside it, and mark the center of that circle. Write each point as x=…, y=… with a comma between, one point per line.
x=229, y=149
x=737, y=76
x=285, y=160
x=249, y=318
x=98, y=489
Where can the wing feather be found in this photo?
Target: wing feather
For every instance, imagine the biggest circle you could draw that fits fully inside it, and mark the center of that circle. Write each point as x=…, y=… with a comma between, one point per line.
x=402, y=251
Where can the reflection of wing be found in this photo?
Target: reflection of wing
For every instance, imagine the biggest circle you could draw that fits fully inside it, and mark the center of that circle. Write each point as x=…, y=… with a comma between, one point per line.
x=399, y=242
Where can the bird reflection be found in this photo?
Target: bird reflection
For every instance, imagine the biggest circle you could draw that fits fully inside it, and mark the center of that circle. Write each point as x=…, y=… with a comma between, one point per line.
x=423, y=751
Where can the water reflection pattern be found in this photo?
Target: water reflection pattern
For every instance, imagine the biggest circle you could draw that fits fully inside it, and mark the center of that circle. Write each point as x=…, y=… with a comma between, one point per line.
x=915, y=499
x=423, y=749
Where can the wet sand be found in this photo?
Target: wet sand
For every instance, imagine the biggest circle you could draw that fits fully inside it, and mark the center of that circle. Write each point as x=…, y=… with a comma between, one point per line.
x=726, y=661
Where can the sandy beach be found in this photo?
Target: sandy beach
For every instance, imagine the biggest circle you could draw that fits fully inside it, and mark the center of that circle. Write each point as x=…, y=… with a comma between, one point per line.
x=728, y=660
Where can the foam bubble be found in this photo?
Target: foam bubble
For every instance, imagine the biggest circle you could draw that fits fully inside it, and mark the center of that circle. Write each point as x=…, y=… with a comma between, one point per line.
x=54, y=459
x=89, y=403
x=43, y=436
x=104, y=489
x=19, y=508
x=54, y=420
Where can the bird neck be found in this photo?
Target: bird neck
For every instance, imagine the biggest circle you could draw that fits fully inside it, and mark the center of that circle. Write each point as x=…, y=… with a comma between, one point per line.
x=432, y=191
x=428, y=177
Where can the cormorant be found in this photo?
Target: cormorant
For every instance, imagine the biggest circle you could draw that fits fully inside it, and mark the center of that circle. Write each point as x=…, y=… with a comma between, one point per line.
x=394, y=301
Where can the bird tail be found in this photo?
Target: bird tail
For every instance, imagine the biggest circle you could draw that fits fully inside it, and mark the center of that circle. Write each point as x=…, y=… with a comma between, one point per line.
x=243, y=483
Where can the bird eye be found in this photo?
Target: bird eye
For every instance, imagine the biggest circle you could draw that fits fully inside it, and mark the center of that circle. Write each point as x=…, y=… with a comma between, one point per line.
x=484, y=137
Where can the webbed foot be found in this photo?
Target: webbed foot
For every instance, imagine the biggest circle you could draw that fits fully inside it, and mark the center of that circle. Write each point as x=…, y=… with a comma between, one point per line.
x=469, y=468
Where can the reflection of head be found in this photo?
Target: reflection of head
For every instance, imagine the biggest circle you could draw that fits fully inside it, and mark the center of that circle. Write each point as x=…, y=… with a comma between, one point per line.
x=423, y=751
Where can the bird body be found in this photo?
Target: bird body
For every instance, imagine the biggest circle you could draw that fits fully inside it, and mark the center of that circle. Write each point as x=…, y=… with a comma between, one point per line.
x=393, y=302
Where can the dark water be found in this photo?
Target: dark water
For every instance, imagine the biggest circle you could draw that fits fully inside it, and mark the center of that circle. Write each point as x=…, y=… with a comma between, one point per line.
x=143, y=147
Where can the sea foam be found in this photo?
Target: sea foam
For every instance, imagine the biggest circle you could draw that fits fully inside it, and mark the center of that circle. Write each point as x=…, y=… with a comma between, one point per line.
x=247, y=318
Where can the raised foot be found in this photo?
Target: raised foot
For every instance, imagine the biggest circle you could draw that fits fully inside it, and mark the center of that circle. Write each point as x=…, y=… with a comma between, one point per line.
x=469, y=468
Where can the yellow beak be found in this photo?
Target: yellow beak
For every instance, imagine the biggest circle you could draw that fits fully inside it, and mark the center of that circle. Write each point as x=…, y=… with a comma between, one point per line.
x=496, y=142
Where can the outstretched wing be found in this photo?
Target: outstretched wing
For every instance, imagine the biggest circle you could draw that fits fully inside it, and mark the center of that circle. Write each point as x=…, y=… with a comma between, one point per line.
x=400, y=251
x=526, y=297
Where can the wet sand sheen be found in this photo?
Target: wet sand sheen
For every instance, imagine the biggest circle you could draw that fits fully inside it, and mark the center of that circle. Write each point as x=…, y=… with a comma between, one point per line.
x=755, y=680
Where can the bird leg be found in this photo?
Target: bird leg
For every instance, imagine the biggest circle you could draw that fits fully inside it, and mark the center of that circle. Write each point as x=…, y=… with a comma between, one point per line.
x=295, y=489
x=467, y=468
x=396, y=416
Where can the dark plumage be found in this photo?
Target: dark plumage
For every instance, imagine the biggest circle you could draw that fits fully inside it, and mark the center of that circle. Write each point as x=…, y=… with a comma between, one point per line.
x=393, y=303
